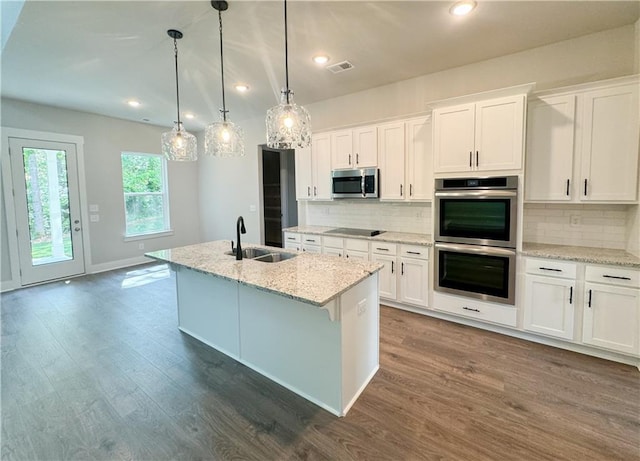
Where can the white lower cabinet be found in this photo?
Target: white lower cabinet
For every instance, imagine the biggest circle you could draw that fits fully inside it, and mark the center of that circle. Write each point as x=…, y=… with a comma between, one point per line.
x=549, y=306
x=356, y=249
x=333, y=246
x=612, y=309
x=385, y=253
x=292, y=241
x=311, y=243
x=414, y=281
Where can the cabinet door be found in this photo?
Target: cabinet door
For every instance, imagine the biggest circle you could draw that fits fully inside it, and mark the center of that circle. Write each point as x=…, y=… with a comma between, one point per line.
x=414, y=281
x=499, y=134
x=549, y=306
x=453, y=138
x=357, y=255
x=365, y=147
x=322, y=167
x=549, y=157
x=610, y=144
x=311, y=248
x=292, y=246
x=332, y=252
x=341, y=149
x=387, y=278
x=304, y=177
x=419, y=159
x=391, y=144
x=611, y=317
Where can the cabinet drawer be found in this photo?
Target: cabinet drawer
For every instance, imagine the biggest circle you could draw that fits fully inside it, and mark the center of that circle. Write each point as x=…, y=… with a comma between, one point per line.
x=414, y=251
x=309, y=239
x=479, y=310
x=293, y=238
x=332, y=242
x=613, y=276
x=383, y=248
x=356, y=245
x=551, y=267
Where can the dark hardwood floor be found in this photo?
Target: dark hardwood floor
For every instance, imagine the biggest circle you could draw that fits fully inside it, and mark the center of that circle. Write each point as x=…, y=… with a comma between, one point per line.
x=96, y=369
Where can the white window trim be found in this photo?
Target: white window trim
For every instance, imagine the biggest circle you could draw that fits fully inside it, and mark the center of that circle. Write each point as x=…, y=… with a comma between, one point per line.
x=165, y=194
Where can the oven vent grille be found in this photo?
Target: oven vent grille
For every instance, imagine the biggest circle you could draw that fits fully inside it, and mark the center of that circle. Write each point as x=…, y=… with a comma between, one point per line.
x=340, y=67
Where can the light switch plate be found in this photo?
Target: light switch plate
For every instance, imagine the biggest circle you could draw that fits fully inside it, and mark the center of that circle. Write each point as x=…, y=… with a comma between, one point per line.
x=94, y=208
x=94, y=217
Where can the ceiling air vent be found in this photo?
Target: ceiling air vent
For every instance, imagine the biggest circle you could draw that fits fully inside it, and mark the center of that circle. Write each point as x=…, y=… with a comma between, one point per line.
x=340, y=67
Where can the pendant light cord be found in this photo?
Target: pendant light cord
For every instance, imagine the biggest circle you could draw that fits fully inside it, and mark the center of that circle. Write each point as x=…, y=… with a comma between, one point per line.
x=224, y=105
x=286, y=52
x=175, y=50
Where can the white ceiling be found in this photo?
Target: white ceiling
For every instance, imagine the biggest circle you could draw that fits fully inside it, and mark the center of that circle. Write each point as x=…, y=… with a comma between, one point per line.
x=95, y=55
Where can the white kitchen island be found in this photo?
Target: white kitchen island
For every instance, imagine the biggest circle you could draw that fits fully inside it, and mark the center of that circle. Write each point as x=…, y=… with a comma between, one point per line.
x=309, y=323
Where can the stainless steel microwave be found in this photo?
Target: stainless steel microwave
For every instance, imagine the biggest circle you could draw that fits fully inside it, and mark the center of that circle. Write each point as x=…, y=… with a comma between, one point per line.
x=356, y=184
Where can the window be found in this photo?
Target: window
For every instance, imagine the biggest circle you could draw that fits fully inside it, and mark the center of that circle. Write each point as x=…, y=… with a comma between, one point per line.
x=146, y=201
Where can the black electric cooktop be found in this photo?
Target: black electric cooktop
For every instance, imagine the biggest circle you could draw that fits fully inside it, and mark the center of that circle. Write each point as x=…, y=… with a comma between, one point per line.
x=350, y=231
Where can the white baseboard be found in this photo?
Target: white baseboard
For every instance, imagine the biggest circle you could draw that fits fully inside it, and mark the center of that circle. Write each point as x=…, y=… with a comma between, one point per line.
x=119, y=264
x=8, y=285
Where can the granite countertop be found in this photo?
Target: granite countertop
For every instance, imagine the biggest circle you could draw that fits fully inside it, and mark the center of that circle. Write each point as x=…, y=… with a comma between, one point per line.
x=581, y=254
x=310, y=278
x=406, y=238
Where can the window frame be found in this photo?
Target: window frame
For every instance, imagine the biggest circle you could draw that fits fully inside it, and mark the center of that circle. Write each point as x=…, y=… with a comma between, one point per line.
x=164, y=194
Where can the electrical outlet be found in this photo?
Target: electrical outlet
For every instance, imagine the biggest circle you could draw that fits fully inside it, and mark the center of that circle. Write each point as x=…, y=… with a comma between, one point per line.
x=576, y=220
x=140, y=246
x=94, y=217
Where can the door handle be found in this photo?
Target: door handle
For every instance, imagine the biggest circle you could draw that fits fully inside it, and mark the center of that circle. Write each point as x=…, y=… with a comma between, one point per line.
x=589, y=304
x=357, y=159
x=76, y=229
x=400, y=190
x=585, y=187
x=392, y=268
x=470, y=157
x=410, y=190
x=401, y=268
x=477, y=158
x=567, y=187
x=349, y=159
x=570, y=295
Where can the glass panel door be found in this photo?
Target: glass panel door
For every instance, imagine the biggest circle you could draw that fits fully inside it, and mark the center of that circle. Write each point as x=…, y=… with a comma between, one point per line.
x=47, y=209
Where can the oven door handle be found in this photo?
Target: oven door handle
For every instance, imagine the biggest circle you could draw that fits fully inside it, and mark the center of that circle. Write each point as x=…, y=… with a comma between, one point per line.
x=482, y=250
x=502, y=193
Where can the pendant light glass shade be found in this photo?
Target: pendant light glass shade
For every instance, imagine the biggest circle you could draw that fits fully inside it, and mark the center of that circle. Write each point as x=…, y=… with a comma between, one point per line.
x=288, y=124
x=223, y=138
x=178, y=144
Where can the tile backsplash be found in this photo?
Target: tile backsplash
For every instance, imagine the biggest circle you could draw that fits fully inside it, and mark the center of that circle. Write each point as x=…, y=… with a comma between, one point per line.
x=397, y=217
x=600, y=226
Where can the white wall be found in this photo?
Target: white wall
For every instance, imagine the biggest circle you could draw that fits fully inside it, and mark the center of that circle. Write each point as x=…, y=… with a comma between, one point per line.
x=104, y=140
x=592, y=57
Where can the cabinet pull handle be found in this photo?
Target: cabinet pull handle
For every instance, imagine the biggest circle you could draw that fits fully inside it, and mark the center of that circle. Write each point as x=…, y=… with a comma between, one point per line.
x=616, y=277
x=589, y=304
x=477, y=158
x=470, y=156
x=290, y=238
x=315, y=191
x=585, y=187
x=382, y=249
x=308, y=191
x=349, y=159
x=400, y=190
x=357, y=159
x=549, y=269
x=392, y=267
x=414, y=252
x=402, y=269
x=410, y=190
x=309, y=240
x=470, y=309
x=570, y=295
x=567, y=187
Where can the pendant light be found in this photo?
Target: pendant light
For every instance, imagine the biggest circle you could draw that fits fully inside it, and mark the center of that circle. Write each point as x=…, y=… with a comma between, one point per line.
x=288, y=125
x=178, y=144
x=223, y=138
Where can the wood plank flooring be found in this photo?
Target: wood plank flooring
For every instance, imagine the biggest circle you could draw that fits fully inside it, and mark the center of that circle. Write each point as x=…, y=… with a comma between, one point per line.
x=97, y=369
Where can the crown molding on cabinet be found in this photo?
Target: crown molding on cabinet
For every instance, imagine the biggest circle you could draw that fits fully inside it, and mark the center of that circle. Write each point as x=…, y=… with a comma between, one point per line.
x=525, y=88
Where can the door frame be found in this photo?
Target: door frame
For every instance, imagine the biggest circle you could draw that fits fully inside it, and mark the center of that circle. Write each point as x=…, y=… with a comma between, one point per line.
x=9, y=203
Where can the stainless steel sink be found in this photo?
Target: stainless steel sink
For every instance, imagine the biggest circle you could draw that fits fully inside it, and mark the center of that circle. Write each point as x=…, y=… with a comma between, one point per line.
x=263, y=255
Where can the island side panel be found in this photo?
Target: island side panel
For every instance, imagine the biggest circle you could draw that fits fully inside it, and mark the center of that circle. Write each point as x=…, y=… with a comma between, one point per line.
x=208, y=310
x=360, y=318
x=294, y=344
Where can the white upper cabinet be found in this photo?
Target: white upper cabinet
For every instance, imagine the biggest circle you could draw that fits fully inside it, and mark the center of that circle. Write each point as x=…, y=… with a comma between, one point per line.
x=582, y=145
x=313, y=169
x=392, y=163
x=549, y=156
x=610, y=144
x=482, y=136
x=406, y=163
x=354, y=148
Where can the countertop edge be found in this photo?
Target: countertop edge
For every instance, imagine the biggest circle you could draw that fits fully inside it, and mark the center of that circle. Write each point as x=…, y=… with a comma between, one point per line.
x=549, y=252
x=374, y=238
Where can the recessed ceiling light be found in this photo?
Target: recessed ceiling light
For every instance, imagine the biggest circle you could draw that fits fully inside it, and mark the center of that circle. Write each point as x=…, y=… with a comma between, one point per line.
x=462, y=8
x=133, y=103
x=321, y=59
x=242, y=88
x=189, y=115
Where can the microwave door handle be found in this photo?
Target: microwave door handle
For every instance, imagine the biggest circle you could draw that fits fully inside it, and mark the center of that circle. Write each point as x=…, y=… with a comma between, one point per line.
x=364, y=192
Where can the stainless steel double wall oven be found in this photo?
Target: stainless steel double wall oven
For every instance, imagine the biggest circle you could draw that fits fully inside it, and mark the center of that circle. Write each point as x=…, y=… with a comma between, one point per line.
x=476, y=232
